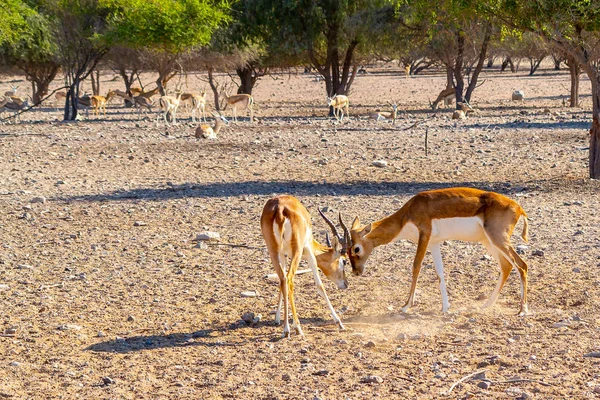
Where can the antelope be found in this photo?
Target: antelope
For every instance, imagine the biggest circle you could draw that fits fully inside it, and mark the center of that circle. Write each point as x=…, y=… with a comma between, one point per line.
x=15, y=104
x=99, y=103
x=211, y=132
x=242, y=100
x=60, y=98
x=431, y=217
x=339, y=102
x=169, y=105
x=383, y=115
x=448, y=95
x=463, y=112
x=407, y=71
x=199, y=104
x=139, y=92
x=286, y=227
x=12, y=92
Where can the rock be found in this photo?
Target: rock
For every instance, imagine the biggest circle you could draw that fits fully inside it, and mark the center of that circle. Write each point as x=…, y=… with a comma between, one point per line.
x=208, y=236
x=101, y=334
x=69, y=327
x=380, y=163
x=561, y=324
x=249, y=293
x=538, y=253
x=372, y=379
x=286, y=377
x=370, y=344
x=257, y=319
x=321, y=372
x=40, y=199
x=576, y=270
x=579, y=232
x=518, y=95
x=522, y=249
x=139, y=223
x=402, y=336
x=10, y=331
x=15, y=364
x=248, y=317
x=484, y=385
x=106, y=380
x=4, y=287
x=130, y=318
x=24, y=266
x=594, y=354
x=597, y=390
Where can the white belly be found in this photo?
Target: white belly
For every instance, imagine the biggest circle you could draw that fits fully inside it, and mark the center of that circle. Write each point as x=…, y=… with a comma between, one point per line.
x=468, y=229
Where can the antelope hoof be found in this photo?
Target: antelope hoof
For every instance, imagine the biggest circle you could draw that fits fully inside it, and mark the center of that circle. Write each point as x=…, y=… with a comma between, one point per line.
x=524, y=311
x=405, y=308
x=341, y=326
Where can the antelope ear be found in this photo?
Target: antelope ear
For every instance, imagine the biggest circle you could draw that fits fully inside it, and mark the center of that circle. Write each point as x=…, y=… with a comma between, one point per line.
x=335, y=244
x=367, y=229
x=355, y=224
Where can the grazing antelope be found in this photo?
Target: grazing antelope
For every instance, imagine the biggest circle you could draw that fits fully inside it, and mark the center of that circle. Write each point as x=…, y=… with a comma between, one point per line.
x=99, y=103
x=15, y=104
x=383, y=115
x=448, y=95
x=339, y=102
x=242, y=100
x=168, y=105
x=432, y=217
x=12, y=92
x=286, y=227
x=211, y=132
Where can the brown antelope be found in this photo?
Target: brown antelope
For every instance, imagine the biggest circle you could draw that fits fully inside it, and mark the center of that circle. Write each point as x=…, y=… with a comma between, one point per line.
x=211, y=132
x=407, y=70
x=241, y=100
x=59, y=98
x=99, y=103
x=463, y=112
x=448, y=95
x=286, y=227
x=431, y=217
x=339, y=102
x=15, y=104
x=169, y=105
x=12, y=92
x=383, y=115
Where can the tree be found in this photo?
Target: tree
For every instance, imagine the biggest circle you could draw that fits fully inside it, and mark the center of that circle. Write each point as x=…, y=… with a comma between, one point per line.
x=572, y=26
x=164, y=29
x=34, y=52
x=328, y=33
x=12, y=19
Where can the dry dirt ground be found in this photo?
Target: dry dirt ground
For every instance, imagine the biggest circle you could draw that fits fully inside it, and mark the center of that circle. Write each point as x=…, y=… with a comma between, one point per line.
x=104, y=294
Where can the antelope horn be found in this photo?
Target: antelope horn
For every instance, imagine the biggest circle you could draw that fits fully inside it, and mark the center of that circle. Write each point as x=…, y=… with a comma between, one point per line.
x=327, y=239
x=346, y=242
x=331, y=225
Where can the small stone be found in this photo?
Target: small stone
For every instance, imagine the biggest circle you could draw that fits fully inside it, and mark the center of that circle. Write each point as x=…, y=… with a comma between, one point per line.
x=521, y=249
x=484, y=385
x=24, y=266
x=257, y=319
x=248, y=317
x=372, y=379
x=14, y=364
x=593, y=354
x=538, y=253
x=107, y=380
x=201, y=245
x=249, y=293
x=4, y=287
x=10, y=331
x=321, y=372
x=40, y=199
x=209, y=236
x=130, y=318
x=101, y=334
x=139, y=223
x=597, y=390
x=370, y=344
x=579, y=232
x=561, y=324
x=402, y=336
x=576, y=270
x=286, y=377
x=380, y=163
x=69, y=327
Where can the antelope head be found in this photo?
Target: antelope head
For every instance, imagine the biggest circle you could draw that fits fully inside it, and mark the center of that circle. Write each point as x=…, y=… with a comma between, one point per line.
x=332, y=262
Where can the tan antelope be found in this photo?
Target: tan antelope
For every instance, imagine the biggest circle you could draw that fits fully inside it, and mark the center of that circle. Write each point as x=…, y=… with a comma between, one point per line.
x=99, y=103
x=59, y=98
x=339, y=102
x=463, y=112
x=15, y=104
x=210, y=132
x=384, y=115
x=135, y=91
x=432, y=217
x=448, y=95
x=241, y=100
x=287, y=230
x=12, y=92
x=407, y=70
x=169, y=105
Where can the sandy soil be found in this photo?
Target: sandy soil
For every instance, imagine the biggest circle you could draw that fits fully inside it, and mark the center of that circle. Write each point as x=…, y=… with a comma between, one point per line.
x=105, y=294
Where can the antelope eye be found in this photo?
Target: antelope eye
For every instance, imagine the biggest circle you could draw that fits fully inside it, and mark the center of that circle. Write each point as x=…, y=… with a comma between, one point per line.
x=357, y=250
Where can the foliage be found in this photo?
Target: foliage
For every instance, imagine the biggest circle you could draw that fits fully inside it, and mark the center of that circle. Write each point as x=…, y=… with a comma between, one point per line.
x=12, y=19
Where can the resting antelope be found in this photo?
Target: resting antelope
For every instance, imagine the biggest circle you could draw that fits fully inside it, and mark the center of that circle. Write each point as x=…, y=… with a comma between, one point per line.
x=339, y=102
x=242, y=100
x=448, y=95
x=463, y=111
x=286, y=227
x=169, y=105
x=431, y=217
x=211, y=132
x=99, y=103
x=12, y=92
x=383, y=115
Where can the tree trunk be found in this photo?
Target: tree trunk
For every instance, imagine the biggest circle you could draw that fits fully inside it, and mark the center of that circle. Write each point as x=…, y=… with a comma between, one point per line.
x=95, y=77
x=449, y=77
x=214, y=88
x=534, y=65
x=482, y=54
x=557, y=62
x=247, y=79
x=458, y=67
x=128, y=81
x=508, y=61
x=594, y=159
x=574, y=71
